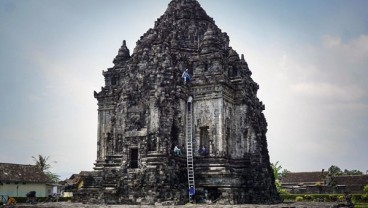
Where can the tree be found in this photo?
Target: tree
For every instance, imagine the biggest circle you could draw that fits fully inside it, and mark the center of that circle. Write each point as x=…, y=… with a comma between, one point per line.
x=334, y=170
x=42, y=162
x=278, y=173
x=53, y=177
x=330, y=177
x=352, y=172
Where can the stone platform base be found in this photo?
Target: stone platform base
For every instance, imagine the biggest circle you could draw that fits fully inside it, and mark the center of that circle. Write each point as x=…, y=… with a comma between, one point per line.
x=283, y=205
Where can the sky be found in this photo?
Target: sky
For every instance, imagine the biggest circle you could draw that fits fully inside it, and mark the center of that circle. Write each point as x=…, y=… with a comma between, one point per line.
x=310, y=59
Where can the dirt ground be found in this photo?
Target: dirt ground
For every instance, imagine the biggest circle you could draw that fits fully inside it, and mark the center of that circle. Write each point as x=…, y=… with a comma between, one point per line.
x=80, y=205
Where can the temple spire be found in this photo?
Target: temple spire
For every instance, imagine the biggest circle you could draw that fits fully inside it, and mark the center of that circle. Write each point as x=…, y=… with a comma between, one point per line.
x=123, y=54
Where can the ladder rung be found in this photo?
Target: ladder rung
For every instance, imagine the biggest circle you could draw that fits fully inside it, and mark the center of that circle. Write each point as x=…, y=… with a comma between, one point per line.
x=190, y=165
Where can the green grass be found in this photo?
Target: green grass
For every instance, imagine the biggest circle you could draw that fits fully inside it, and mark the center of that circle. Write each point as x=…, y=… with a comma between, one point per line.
x=361, y=205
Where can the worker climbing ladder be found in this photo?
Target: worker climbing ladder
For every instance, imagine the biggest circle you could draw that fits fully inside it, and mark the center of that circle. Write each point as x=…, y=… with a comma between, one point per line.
x=189, y=141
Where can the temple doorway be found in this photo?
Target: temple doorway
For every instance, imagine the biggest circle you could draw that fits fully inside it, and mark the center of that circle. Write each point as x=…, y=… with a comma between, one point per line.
x=204, y=136
x=134, y=158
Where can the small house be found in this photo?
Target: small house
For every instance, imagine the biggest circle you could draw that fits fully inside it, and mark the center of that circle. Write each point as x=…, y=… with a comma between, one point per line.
x=16, y=180
x=316, y=183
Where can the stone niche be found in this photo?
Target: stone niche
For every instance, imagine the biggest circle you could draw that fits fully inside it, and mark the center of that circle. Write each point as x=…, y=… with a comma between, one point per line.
x=143, y=114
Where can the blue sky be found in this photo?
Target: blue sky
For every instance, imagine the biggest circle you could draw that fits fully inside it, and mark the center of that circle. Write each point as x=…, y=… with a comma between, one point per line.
x=310, y=59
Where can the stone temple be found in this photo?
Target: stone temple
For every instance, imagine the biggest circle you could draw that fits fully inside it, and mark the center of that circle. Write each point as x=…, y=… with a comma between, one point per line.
x=143, y=113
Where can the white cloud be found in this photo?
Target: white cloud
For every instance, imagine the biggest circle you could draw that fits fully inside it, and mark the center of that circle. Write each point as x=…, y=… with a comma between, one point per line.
x=329, y=91
x=316, y=101
x=331, y=41
x=65, y=80
x=64, y=117
x=354, y=50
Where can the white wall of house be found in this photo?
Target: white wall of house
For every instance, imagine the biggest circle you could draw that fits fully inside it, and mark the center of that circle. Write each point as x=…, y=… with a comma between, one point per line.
x=20, y=189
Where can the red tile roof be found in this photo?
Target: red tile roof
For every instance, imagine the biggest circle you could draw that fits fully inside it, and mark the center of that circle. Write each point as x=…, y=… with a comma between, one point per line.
x=22, y=173
x=76, y=178
x=302, y=177
x=73, y=180
x=352, y=180
x=314, y=177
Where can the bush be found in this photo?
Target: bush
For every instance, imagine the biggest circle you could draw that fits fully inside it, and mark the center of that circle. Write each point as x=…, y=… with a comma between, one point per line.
x=356, y=198
x=299, y=198
x=363, y=205
x=364, y=198
x=283, y=192
x=308, y=197
x=365, y=189
x=333, y=198
x=321, y=197
x=287, y=197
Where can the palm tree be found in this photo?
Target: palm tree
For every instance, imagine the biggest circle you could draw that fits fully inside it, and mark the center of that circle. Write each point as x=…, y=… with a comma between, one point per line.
x=278, y=174
x=42, y=162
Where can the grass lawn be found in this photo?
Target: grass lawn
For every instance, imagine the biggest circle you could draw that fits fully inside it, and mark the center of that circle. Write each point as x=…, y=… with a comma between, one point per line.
x=361, y=205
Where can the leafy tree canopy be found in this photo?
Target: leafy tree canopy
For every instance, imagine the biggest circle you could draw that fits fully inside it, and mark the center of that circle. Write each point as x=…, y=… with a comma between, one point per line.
x=352, y=172
x=334, y=170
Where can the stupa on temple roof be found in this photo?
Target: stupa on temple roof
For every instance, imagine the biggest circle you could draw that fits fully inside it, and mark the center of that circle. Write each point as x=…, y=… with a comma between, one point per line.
x=143, y=113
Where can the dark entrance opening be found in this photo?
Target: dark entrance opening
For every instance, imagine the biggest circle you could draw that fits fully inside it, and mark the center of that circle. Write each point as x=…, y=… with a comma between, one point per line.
x=114, y=81
x=152, y=143
x=212, y=193
x=134, y=158
x=228, y=141
x=205, y=137
x=174, y=135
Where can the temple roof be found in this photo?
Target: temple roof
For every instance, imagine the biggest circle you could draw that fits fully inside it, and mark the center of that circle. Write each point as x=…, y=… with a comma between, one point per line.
x=186, y=9
x=184, y=26
x=183, y=37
